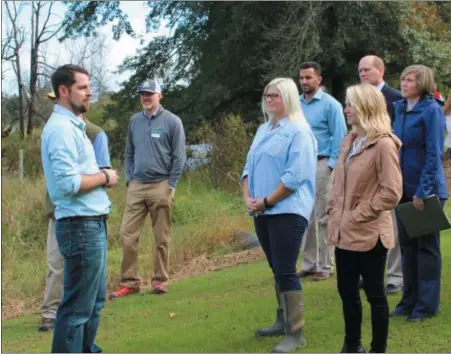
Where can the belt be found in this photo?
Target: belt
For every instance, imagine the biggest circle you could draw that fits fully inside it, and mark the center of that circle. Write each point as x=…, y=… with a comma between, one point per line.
x=322, y=157
x=86, y=218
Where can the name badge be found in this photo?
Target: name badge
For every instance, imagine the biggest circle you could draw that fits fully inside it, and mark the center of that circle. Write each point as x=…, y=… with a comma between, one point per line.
x=156, y=133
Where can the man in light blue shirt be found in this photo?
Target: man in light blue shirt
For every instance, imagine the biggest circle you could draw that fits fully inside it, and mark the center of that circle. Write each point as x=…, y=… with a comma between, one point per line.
x=54, y=282
x=76, y=187
x=325, y=116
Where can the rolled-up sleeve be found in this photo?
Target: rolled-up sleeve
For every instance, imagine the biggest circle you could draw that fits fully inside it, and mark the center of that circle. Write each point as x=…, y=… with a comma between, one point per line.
x=301, y=160
x=63, y=155
x=245, y=170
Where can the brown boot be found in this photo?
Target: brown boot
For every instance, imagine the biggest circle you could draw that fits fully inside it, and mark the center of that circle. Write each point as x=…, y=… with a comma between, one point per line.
x=278, y=328
x=293, y=306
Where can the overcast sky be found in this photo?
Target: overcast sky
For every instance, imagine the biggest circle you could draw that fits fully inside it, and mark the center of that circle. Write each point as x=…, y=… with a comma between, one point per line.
x=119, y=50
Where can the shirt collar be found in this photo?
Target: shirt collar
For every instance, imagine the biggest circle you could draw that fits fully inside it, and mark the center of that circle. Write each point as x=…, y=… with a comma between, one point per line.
x=147, y=115
x=380, y=86
x=317, y=96
x=281, y=123
x=62, y=111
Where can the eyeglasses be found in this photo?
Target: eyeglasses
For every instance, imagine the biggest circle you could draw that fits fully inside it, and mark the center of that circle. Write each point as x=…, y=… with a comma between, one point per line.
x=271, y=96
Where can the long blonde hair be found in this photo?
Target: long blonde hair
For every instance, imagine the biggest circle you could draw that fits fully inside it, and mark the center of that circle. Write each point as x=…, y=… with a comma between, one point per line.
x=291, y=101
x=370, y=108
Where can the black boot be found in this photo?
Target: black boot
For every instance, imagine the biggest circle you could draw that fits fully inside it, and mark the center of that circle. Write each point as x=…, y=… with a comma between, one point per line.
x=293, y=311
x=278, y=328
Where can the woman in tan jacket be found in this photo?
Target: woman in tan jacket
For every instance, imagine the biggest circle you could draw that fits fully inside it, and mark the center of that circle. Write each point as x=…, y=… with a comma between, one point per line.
x=367, y=186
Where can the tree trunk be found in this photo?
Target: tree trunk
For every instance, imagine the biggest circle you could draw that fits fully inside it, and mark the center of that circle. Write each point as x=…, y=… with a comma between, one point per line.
x=21, y=101
x=33, y=81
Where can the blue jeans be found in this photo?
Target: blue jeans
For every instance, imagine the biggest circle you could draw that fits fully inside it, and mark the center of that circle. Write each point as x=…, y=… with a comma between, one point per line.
x=280, y=237
x=83, y=243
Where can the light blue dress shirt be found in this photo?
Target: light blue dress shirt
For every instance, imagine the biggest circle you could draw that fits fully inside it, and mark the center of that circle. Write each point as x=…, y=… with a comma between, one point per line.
x=67, y=154
x=100, y=146
x=325, y=116
x=287, y=154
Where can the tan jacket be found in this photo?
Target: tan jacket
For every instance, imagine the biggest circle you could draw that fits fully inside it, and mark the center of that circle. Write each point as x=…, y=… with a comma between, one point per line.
x=364, y=193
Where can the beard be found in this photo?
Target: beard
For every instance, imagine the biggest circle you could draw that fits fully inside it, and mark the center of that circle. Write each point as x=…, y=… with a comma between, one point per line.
x=148, y=105
x=307, y=89
x=78, y=109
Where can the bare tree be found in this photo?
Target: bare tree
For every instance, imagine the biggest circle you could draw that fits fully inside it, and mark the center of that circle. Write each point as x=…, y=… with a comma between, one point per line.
x=39, y=35
x=296, y=36
x=11, y=51
x=92, y=54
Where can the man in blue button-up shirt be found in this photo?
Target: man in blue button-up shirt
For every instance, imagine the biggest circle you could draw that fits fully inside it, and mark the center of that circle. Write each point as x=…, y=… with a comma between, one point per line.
x=54, y=282
x=76, y=187
x=325, y=116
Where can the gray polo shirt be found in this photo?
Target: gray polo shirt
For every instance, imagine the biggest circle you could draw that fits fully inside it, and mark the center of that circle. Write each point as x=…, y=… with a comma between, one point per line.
x=155, y=148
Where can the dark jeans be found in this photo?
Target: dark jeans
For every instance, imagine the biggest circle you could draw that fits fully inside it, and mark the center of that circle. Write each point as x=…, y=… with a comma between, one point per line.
x=421, y=267
x=84, y=247
x=280, y=237
x=371, y=266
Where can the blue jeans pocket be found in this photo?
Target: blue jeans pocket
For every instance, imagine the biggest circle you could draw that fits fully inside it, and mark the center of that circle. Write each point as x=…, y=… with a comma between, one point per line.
x=92, y=227
x=68, y=239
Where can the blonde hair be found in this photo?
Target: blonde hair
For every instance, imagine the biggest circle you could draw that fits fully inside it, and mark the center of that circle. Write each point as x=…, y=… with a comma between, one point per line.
x=424, y=76
x=290, y=96
x=370, y=108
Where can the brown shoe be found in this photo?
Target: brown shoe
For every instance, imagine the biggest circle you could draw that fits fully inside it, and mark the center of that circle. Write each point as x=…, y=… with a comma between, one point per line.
x=46, y=324
x=304, y=274
x=321, y=276
x=159, y=289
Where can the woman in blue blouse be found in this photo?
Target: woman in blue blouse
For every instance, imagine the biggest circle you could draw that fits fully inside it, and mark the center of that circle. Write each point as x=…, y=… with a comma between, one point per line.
x=279, y=192
x=420, y=124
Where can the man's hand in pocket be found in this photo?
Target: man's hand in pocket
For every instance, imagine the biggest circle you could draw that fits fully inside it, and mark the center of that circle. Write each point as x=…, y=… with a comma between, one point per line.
x=172, y=193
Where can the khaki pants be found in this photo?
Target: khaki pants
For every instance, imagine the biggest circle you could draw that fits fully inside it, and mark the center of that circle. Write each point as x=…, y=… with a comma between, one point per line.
x=318, y=257
x=54, y=285
x=155, y=199
x=394, y=268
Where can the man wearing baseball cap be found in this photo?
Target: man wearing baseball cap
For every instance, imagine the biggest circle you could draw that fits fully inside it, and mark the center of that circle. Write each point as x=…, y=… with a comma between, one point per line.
x=154, y=160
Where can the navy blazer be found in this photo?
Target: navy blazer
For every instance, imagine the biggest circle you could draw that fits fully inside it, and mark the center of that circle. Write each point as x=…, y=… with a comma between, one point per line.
x=391, y=95
x=422, y=133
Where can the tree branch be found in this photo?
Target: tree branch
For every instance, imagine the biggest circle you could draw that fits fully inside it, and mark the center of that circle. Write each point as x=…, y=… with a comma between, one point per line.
x=53, y=35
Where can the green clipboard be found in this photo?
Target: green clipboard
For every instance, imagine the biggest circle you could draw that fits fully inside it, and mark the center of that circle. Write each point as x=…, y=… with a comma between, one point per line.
x=418, y=223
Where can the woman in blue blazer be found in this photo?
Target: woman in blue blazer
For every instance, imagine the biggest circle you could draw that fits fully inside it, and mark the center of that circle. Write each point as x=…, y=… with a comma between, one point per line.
x=420, y=124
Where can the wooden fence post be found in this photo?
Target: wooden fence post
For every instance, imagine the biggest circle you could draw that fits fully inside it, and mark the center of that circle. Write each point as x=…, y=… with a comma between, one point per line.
x=21, y=164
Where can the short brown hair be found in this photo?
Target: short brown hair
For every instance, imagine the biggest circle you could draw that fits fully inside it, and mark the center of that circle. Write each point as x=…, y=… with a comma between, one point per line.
x=424, y=76
x=64, y=76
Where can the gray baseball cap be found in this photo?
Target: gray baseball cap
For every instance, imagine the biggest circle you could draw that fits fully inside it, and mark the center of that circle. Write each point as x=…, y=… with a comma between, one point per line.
x=149, y=86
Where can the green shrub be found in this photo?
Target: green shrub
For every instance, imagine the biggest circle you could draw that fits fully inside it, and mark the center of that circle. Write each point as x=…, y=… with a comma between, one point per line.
x=31, y=147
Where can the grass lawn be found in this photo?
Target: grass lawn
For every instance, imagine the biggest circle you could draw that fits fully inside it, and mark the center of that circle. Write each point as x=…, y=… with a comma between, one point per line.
x=218, y=312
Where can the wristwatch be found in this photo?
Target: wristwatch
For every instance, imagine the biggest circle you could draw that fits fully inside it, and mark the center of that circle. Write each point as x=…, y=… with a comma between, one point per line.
x=265, y=201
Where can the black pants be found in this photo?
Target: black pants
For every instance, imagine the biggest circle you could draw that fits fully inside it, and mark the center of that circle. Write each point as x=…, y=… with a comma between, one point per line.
x=280, y=237
x=371, y=266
